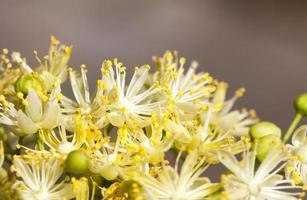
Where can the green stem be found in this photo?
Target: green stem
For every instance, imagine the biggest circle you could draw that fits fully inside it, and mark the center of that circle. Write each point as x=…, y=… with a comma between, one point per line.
x=39, y=141
x=297, y=118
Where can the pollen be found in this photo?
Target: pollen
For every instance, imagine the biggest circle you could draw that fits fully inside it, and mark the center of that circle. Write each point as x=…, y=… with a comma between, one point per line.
x=25, y=102
x=240, y=92
x=182, y=60
x=5, y=51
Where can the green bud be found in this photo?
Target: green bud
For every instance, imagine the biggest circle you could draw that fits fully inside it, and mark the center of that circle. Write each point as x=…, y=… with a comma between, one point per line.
x=264, y=128
x=265, y=144
x=300, y=104
x=27, y=81
x=77, y=162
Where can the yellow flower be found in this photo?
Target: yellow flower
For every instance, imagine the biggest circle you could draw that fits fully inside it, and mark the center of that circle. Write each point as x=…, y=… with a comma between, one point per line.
x=235, y=122
x=150, y=145
x=93, y=108
x=8, y=74
x=37, y=114
x=191, y=135
x=81, y=188
x=132, y=105
x=112, y=159
x=54, y=65
x=297, y=164
x=6, y=190
x=247, y=181
x=40, y=174
x=61, y=141
x=186, y=184
x=183, y=91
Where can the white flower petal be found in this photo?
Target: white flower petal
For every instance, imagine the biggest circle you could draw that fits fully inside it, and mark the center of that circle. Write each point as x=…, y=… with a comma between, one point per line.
x=116, y=119
x=25, y=123
x=34, y=109
x=52, y=116
x=300, y=136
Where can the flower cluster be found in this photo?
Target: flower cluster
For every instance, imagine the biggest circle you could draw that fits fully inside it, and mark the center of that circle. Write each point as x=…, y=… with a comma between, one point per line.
x=112, y=142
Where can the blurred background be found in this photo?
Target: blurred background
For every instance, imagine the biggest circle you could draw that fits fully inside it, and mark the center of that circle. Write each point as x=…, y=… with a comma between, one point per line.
x=261, y=45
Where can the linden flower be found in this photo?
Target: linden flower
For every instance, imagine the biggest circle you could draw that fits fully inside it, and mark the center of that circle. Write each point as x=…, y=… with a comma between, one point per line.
x=127, y=189
x=191, y=135
x=187, y=134
x=40, y=173
x=215, y=142
x=251, y=183
x=297, y=165
x=180, y=186
x=148, y=148
x=6, y=190
x=93, y=108
x=81, y=189
x=184, y=91
x=156, y=145
x=63, y=143
x=2, y=171
x=235, y=122
x=133, y=105
x=36, y=115
x=8, y=75
x=111, y=160
x=54, y=65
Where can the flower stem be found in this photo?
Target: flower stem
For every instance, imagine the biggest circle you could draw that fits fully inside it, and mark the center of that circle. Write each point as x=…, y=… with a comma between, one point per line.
x=297, y=118
x=39, y=141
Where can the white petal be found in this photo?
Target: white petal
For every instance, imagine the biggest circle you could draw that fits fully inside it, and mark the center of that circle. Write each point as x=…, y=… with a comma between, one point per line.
x=76, y=88
x=116, y=119
x=300, y=136
x=48, y=78
x=181, y=133
x=34, y=109
x=52, y=116
x=25, y=123
x=230, y=161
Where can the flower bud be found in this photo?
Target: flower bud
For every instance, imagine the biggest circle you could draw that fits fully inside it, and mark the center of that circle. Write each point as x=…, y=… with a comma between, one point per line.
x=77, y=162
x=300, y=104
x=27, y=81
x=264, y=128
x=265, y=144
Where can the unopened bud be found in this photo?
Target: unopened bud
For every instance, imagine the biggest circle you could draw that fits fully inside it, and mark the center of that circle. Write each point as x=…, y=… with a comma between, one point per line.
x=300, y=104
x=264, y=128
x=27, y=81
x=77, y=162
x=265, y=144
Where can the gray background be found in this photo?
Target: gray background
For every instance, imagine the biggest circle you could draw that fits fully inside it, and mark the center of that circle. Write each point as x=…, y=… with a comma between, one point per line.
x=260, y=45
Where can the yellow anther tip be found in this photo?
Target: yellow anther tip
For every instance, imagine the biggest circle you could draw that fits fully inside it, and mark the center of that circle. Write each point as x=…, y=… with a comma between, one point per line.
x=240, y=92
x=54, y=40
x=147, y=67
x=68, y=50
x=182, y=60
x=5, y=51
